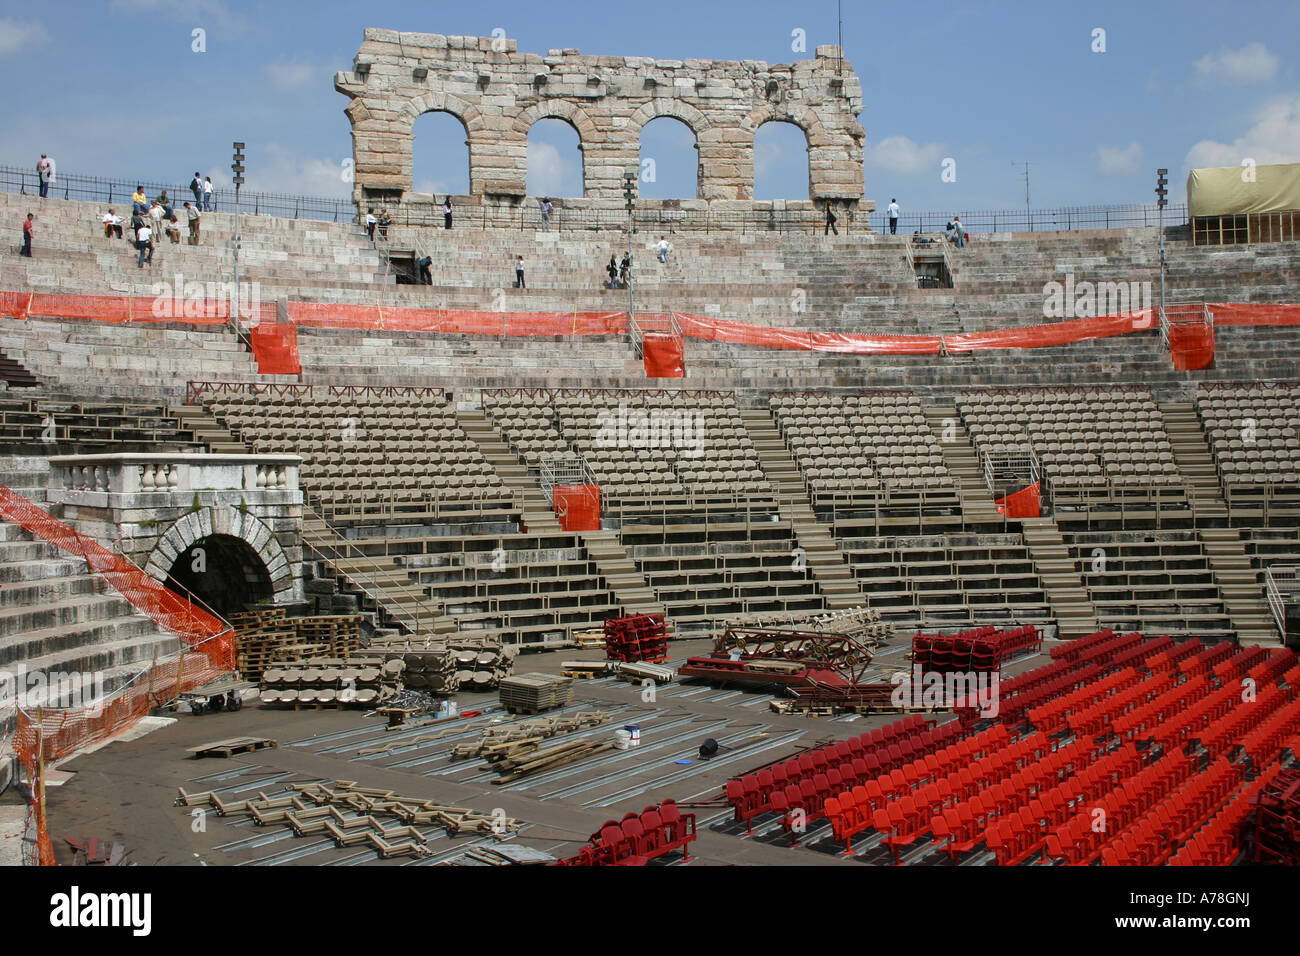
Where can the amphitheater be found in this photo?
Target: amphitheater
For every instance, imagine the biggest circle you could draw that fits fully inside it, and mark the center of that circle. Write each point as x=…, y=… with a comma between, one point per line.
x=788, y=427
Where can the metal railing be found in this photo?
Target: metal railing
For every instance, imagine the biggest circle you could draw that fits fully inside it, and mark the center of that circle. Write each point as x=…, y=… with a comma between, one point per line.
x=651, y=215
x=1282, y=585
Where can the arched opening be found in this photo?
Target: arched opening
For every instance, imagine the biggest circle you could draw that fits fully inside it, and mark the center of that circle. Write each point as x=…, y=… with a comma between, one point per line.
x=223, y=571
x=670, y=160
x=555, y=160
x=781, y=167
x=440, y=151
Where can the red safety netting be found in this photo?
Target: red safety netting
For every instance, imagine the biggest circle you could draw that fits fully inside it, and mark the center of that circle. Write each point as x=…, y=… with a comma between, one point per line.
x=45, y=735
x=1024, y=503
x=663, y=354
x=743, y=333
x=275, y=348
x=578, y=507
x=1055, y=333
x=1191, y=346
x=1254, y=313
x=456, y=321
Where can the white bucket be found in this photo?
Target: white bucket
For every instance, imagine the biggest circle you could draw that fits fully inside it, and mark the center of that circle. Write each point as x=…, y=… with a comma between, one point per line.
x=622, y=740
x=634, y=735
x=453, y=709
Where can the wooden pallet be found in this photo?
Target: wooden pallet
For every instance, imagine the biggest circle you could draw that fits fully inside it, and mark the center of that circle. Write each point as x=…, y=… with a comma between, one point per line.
x=231, y=746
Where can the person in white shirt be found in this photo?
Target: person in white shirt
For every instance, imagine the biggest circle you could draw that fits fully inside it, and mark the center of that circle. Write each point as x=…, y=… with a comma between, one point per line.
x=45, y=173
x=112, y=224
x=546, y=213
x=156, y=214
x=893, y=217
x=519, y=273
x=207, y=194
x=664, y=248
x=144, y=242
x=371, y=222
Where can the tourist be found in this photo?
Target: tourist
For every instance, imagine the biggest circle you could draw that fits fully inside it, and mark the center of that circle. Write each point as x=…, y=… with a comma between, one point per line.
x=207, y=194
x=546, y=213
x=830, y=220
x=371, y=222
x=446, y=213
x=958, y=233
x=137, y=223
x=166, y=204
x=192, y=214
x=625, y=270
x=612, y=271
x=29, y=231
x=665, y=247
x=385, y=221
x=112, y=224
x=426, y=270
x=144, y=241
x=45, y=173
x=173, y=230
x=196, y=187
x=893, y=217
x=156, y=217
x=519, y=273
x=139, y=201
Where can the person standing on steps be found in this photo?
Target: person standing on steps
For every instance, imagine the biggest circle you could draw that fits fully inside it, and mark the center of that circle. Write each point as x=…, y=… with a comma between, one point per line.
x=426, y=270
x=29, y=231
x=830, y=220
x=612, y=271
x=446, y=213
x=546, y=213
x=196, y=187
x=371, y=222
x=45, y=173
x=143, y=242
x=625, y=270
x=519, y=273
x=893, y=217
x=958, y=231
x=207, y=194
x=192, y=214
x=664, y=247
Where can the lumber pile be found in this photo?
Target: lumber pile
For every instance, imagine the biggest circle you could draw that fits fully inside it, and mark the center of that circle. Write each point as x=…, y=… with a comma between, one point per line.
x=512, y=740
x=330, y=682
x=264, y=636
x=534, y=693
x=590, y=637
x=515, y=768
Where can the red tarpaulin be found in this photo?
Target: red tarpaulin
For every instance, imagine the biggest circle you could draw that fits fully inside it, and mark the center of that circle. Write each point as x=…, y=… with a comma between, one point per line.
x=1022, y=504
x=664, y=355
x=578, y=507
x=1191, y=346
x=275, y=348
x=1254, y=313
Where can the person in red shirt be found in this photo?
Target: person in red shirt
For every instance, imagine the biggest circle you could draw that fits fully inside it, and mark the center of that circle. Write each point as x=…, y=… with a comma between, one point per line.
x=29, y=230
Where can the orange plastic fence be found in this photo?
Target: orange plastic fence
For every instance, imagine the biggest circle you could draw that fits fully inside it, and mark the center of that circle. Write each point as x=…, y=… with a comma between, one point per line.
x=53, y=734
x=1255, y=313
x=1191, y=346
x=456, y=321
x=663, y=354
x=275, y=348
x=1024, y=503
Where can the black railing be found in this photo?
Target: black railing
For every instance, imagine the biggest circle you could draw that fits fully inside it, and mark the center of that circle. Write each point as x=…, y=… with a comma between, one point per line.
x=651, y=215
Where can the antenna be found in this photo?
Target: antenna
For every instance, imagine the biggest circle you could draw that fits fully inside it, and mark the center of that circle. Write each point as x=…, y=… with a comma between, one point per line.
x=1025, y=175
x=839, y=9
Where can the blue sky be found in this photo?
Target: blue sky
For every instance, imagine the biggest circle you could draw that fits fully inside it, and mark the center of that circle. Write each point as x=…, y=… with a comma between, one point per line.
x=986, y=84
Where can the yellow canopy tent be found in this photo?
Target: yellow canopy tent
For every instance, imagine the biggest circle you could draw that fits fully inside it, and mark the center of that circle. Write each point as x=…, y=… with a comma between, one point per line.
x=1242, y=190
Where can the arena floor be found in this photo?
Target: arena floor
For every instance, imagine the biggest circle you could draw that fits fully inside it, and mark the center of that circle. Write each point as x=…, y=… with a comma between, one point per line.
x=125, y=791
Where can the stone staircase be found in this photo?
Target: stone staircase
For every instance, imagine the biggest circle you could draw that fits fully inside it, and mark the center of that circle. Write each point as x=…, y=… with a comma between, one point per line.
x=59, y=619
x=206, y=429
x=538, y=515
x=823, y=557
x=1238, y=582
x=1075, y=614
x=977, y=506
x=1195, y=463
x=14, y=375
x=621, y=573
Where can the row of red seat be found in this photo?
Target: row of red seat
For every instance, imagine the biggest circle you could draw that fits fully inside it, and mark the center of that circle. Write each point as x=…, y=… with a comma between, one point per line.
x=1226, y=733
x=1187, y=724
x=1098, y=717
x=1137, y=655
x=1073, y=651
x=1240, y=663
x=1153, y=837
x=1218, y=842
x=1208, y=658
x=1165, y=660
x=641, y=837
x=1275, y=666
x=1021, y=694
x=1142, y=722
x=1079, y=840
x=1015, y=837
x=1053, y=715
x=981, y=649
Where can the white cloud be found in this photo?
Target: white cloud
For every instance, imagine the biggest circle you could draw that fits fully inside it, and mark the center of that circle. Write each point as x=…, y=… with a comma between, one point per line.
x=1119, y=160
x=294, y=76
x=1274, y=138
x=899, y=154
x=196, y=13
x=281, y=169
x=18, y=35
x=1252, y=63
x=549, y=173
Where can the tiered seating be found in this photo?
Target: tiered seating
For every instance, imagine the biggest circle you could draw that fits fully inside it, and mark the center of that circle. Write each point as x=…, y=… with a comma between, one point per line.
x=1218, y=842
x=1093, y=445
x=859, y=445
x=980, y=649
x=1253, y=432
x=653, y=833
x=1021, y=694
x=1273, y=824
x=51, y=425
x=399, y=445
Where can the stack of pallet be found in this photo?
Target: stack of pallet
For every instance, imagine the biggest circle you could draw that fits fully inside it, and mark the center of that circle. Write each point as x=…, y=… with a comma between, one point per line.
x=431, y=668
x=513, y=740
x=534, y=693
x=481, y=663
x=330, y=682
x=267, y=635
x=643, y=637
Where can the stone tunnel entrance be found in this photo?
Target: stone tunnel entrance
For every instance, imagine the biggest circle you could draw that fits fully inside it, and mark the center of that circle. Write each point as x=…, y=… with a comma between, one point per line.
x=224, y=572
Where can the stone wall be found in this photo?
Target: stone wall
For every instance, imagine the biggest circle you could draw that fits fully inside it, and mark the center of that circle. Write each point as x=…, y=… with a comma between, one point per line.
x=498, y=93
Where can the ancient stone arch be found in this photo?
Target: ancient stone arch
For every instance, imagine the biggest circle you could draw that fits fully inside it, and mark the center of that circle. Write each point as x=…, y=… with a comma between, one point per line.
x=499, y=93
x=197, y=525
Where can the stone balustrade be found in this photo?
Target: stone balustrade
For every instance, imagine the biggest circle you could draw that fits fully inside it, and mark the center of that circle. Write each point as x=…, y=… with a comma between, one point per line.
x=91, y=479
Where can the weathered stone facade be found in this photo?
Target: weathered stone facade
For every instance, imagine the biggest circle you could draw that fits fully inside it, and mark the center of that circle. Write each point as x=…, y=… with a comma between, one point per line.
x=499, y=93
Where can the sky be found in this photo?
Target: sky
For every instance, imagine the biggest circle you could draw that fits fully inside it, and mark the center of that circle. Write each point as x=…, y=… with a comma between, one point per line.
x=1094, y=96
